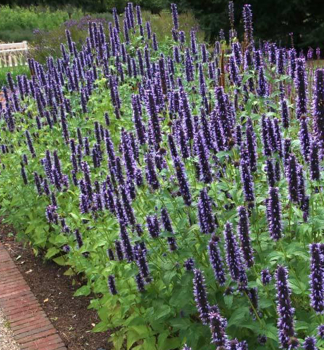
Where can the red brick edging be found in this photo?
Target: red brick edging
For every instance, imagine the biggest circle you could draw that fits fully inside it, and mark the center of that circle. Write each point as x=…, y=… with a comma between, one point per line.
x=31, y=328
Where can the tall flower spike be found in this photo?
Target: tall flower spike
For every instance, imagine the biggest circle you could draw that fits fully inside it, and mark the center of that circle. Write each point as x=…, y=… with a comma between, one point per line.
x=247, y=181
x=292, y=179
x=216, y=260
x=233, y=254
x=301, y=88
x=274, y=213
x=318, y=105
x=314, y=162
x=285, y=311
x=316, y=279
x=304, y=139
x=153, y=226
x=244, y=234
x=217, y=328
x=284, y=113
x=310, y=343
x=175, y=17
x=166, y=221
x=248, y=25
x=112, y=284
x=265, y=277
x=205, y=214
x=251, y=145
x=126, y=244
x=151, y=175
x=203, y=156
x=200, y=294
x=182, y=180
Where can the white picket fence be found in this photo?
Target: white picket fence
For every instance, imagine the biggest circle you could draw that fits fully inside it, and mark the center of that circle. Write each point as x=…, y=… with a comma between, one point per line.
x=14, y=54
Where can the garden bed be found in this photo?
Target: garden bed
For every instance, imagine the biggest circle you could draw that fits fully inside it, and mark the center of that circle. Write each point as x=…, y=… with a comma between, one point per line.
x=54, y=292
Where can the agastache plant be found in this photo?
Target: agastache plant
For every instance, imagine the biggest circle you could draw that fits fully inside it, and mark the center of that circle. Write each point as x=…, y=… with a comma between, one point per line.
x=285, y=323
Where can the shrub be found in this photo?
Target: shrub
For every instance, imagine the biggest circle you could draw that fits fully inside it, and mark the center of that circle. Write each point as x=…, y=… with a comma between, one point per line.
x=184, y=185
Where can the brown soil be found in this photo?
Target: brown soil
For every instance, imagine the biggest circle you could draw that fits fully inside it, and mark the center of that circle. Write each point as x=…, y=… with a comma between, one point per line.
x=54, y=292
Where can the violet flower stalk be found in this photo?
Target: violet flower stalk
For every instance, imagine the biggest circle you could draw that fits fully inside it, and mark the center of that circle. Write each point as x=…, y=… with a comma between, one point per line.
x=244, y=235
x=151, y=175
x=314, y=168
x=251, y=145
x=200, y=294
x=284, y=113
x=205, y=214
x=310, y=343
x=217, y=328
x=266, y=277
x=112, y=284
x=247, y=182
x=274, y=214
x=316, y=278
x=285, y=311
x=182, y=180
x=304, y=138
x=166, y=221
x=233, y=256
x=126, y=244
x=301, y=88
x=248, y=25
x=203, y=156
x=292, y=179
x=318, y=105
x=153, y=226
x=216, y=260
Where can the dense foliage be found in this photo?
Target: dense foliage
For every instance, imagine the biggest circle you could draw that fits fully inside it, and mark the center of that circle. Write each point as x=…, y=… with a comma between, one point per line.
x=18, y=23
x=183, y=182
x=275, y=20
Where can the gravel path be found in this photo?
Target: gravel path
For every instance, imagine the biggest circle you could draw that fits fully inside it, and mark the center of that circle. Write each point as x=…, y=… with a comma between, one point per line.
x=7, y=341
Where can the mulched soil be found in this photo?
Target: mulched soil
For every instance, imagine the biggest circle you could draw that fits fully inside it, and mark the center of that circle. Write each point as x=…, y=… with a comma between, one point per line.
x=54, y=292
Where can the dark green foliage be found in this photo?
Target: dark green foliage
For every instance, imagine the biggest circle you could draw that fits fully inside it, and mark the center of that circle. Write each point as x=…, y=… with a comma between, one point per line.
x=273, y=19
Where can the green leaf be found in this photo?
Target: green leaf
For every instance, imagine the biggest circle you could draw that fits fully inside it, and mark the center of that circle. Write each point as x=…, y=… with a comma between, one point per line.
x=60, y=261
x=100, y=327
x=51, y=252
x=84, y=290
x=162, y=311
x=238, y=316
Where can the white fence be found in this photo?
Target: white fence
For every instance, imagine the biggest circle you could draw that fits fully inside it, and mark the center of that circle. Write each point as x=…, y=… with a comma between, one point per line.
x=13, y=55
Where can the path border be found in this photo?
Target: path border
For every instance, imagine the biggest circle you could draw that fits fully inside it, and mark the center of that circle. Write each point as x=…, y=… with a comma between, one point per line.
x=30, y=325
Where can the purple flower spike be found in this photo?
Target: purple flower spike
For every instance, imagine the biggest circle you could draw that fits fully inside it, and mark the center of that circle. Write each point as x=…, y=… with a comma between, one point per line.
x=244, y=234
x=265, y=277
x=112, y=285
x=233, y=256
x=314, y=162
x=216, y=260
x=205, y=214
x=318, y=105
x=274, y=214
x=175, y=17
x=248, y=25
x=320, y=331
x=292, y=179
x=317, y=278
x=247, y=181
x=310, y=344
x=251, y=145
x=301, y=88
x=285, y=311
x=153, y=226
x=200, y=294
x=217, y=328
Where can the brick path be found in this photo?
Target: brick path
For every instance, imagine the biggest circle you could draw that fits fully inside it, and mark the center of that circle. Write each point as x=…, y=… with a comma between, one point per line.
x=31, y=328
